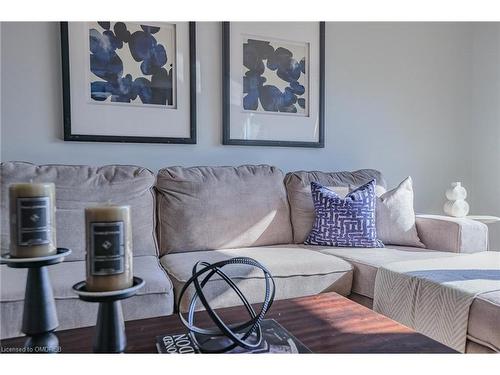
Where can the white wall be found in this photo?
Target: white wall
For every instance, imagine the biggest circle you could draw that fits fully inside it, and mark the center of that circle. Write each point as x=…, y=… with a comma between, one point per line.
x=483, y=145
x=398, y=99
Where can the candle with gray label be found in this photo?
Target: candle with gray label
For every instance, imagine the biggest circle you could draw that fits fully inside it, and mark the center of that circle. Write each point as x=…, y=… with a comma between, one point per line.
x=109, y=248
x=32, y=220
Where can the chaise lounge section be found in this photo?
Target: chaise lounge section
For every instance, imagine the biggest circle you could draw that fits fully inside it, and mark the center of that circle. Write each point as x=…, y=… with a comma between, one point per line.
x=444, y=237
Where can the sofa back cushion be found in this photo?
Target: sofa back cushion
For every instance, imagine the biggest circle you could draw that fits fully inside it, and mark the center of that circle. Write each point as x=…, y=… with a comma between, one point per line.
x=298, y=186
x=205, y=208
x=78, y=187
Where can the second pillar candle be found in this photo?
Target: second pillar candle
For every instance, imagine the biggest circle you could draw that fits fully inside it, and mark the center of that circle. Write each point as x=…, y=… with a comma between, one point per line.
x=109, y=248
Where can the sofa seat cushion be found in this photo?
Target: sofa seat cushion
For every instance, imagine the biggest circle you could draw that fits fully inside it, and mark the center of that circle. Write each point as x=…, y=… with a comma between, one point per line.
x=366, y=261
x=484, y=320
x=296, y=271
x=80, y=186
x=205, y=208
x=154, y=299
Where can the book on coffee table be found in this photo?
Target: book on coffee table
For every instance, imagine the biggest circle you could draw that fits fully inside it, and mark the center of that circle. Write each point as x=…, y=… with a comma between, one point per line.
x=275, y=339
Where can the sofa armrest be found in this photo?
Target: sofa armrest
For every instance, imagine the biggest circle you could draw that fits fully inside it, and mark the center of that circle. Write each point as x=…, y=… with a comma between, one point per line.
x=457, y=235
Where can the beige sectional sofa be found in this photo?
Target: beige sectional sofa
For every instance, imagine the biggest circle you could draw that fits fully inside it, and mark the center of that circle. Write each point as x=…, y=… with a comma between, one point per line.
x=211, y=213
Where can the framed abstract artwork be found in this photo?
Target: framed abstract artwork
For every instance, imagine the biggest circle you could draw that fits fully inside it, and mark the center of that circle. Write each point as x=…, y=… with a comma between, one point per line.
x=129, y=81
x=273, y=83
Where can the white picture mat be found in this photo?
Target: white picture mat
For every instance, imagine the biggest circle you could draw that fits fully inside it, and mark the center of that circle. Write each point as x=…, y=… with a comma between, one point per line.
x=166, y=36
x=146, y=121
x=273, y=126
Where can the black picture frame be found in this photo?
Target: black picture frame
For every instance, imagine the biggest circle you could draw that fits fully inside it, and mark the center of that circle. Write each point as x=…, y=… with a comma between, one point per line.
x=70, y=136
x=227, y=140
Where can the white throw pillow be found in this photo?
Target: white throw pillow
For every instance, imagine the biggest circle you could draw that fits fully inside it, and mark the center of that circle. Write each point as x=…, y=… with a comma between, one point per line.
x=395, y=216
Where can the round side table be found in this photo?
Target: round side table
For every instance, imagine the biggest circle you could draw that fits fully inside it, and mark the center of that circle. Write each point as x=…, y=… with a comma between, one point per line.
x=486, y=219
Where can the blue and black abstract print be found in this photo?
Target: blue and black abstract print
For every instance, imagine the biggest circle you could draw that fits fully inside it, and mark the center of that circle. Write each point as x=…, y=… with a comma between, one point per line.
x=285, y=93
x=110, y=41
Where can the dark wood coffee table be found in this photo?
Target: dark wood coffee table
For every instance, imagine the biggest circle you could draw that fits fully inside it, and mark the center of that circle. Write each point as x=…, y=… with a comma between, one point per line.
x=326, y=323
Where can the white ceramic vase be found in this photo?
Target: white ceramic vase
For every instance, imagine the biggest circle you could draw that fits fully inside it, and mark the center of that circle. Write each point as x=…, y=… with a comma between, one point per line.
x=456, y=192
x=456, y=205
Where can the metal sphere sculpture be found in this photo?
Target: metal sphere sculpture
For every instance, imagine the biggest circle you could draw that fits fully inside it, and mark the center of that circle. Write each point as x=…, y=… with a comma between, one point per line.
x=238, y=334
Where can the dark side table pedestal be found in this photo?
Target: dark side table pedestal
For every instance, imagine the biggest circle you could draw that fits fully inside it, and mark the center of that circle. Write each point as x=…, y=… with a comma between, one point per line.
x=110, y=334
x=39, y=313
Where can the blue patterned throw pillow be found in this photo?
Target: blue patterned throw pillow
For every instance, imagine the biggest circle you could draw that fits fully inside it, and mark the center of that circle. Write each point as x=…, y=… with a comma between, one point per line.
x=347, y=222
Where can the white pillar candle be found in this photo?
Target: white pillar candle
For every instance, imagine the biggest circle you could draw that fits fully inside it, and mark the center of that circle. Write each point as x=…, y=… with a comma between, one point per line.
x=109, y=248
x=32, y=220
